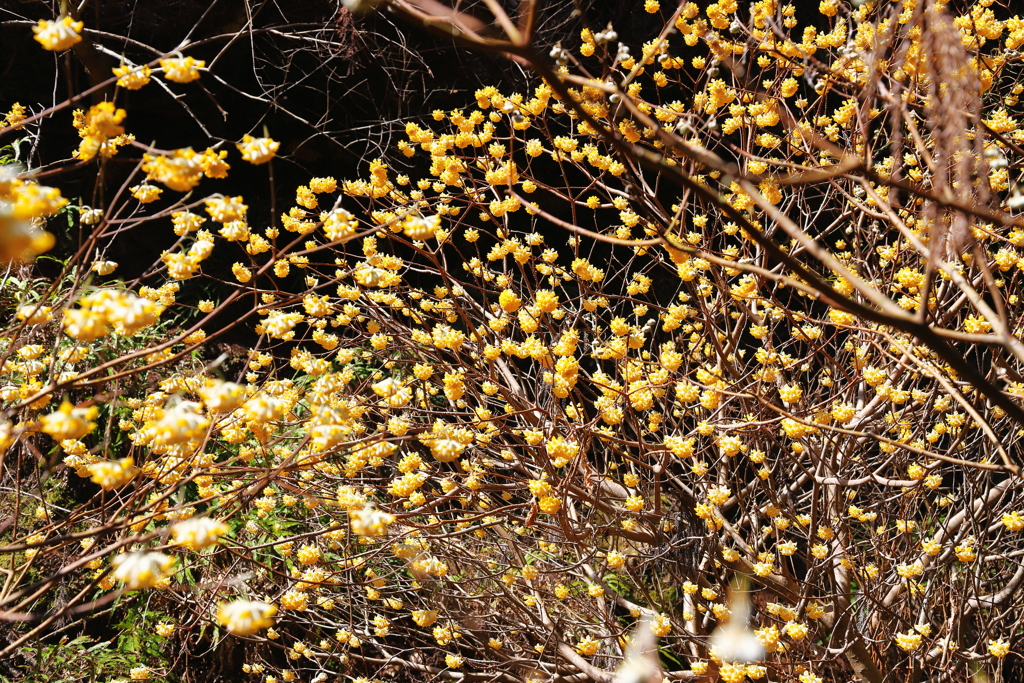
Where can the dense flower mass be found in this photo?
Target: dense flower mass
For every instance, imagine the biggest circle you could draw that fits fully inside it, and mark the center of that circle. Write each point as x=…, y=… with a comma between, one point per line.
x=706, y=346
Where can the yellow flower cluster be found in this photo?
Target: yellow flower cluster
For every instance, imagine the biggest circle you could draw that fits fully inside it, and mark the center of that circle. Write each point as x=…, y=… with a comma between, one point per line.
x=22, y=203
x=101, y=131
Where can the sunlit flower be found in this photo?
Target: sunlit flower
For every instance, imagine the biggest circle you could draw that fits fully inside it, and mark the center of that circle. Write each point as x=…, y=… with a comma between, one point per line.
x=33, y=314
x=69, y=422
x=146, y=193
x=294, y=600
x=132, y=77
x=369, y=521
x=59, y=34
x=112, y=474
x=258, y=150
x=181, y=69
x=141, y=570
x=588, y=646
x=221, y=397
x=245, y=617
x=197, y=533
x=104, y=267
x=909, y=641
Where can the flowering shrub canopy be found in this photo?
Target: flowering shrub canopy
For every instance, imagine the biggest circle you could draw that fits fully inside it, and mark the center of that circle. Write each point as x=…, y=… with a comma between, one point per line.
x=740, y=302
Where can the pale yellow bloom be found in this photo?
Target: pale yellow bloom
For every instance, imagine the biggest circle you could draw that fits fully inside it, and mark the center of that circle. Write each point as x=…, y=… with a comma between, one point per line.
x=245, y=617
x=142, y=569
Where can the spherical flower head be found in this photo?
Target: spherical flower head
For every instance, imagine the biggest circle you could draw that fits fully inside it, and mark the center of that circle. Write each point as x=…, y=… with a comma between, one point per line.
x=371, y=276
x=966, y=552
x=27, y=199
x=112, y=474
x=197, y=533
x=424, y=617
x=562, y=451
x=443, y=635
x=795, y=630
x=142, y=570
x=394, y=391
x=787, y=548
x=294, y=600
x=444, y=337
x=132, y=77
x=338, y=224
x=103, y=121
x=69, y=422
x=101, y=131
x=615, y=559
x=16, y=115
x=547, y=301
x=181, y=69
x=279, y=324
x=909, y=641
x=369, y=521
x=308, y=554
x=180, y=170
x=843, y=412
x=245, y=617
x=317, y=306
x=58, y=35
x=661, y=626
x=165, y=629
x=321, y=185
x=146, y=193
x=549, y=505
x=791, y=393
x=446, y=450
x=258, y=150
x=32, y=314
x=421, y=228
x=264, y=408
x=225, y=209
x=588, y=646
x=186, y=222
x=453, y=661
x=731, y=672
x=539, y=487
x=104, y=267
x=242, y=274
x=125, y=312
x=1013, y=521
x=719, y=495
x=998, y=648
x=221, y=397
x=431, y=566
x=181, y=423
x=509, y=301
